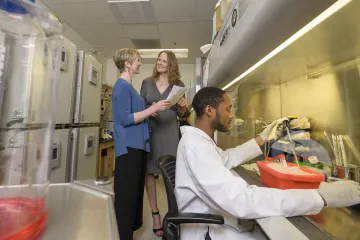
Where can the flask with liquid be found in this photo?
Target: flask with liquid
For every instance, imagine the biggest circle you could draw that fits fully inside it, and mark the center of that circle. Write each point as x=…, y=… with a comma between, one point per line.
x=29, y=69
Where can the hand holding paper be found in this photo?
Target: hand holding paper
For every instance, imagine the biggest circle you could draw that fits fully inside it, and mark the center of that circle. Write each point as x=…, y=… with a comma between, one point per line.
x=176, y=94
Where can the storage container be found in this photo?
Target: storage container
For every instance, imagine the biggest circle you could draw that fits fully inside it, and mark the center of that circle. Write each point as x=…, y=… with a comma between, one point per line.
x=274, y=179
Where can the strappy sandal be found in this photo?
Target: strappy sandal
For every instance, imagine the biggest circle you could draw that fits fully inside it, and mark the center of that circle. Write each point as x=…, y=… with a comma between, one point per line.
x=157, y=229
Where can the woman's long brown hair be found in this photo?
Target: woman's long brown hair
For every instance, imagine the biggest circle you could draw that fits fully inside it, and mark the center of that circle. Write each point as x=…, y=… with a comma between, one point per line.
x=173, y=68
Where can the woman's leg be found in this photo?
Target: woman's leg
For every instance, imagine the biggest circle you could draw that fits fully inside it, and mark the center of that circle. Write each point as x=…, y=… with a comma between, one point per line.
x=127, y=188
x=151, y=192
x=139, y=210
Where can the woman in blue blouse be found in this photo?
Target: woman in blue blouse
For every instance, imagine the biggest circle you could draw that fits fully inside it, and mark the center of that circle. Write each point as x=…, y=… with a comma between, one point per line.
x=131, y=133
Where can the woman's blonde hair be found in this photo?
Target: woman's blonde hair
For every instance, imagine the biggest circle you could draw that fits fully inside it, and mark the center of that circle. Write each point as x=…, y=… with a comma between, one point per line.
x=124, y=55
x=173, y=68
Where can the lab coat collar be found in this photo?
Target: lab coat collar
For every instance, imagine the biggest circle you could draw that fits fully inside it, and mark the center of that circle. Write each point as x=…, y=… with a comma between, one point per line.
x=194, y=130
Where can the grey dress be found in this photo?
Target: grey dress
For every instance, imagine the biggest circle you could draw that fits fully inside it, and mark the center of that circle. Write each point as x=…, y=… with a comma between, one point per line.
x=164, y=129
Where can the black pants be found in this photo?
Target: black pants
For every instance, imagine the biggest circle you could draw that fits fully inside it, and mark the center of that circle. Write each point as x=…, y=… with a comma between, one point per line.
x=129, y=180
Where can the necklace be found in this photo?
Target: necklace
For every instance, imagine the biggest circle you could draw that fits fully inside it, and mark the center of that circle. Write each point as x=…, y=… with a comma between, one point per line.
x=161, y=84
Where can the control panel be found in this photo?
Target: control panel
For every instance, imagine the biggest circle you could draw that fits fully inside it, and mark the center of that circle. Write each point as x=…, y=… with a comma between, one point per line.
x=89, y=144
x=55, y=159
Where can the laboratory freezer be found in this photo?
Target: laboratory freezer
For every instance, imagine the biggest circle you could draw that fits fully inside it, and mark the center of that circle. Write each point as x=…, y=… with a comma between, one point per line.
x=84, y=153
x=62, y=144
x=88, y=90
x=66, y=84
x=61, y=153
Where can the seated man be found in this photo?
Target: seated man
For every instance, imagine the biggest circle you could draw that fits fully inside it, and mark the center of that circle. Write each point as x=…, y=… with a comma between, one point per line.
x=205, y=184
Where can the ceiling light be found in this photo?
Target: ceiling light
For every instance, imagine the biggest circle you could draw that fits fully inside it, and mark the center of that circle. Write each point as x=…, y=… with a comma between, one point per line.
x=126, y=1
x=323, y=16
x=153, y=53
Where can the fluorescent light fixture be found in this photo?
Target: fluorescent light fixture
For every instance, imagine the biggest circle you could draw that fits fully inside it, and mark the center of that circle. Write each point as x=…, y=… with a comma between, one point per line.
x=316, y=21
x=153, y=53
x=126, y=1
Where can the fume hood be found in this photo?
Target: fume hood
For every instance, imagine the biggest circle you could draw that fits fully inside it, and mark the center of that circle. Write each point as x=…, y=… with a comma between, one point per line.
x=252, y=29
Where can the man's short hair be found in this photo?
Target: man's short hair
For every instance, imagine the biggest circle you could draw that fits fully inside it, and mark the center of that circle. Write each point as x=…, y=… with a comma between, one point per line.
x=207, y=96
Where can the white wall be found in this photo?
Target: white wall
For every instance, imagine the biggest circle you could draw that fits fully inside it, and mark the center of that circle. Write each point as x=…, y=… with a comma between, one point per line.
x=187, y=72
x=112, y=73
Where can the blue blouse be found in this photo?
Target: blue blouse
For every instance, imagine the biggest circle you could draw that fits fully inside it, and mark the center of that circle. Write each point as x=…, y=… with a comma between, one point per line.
x=125, y=102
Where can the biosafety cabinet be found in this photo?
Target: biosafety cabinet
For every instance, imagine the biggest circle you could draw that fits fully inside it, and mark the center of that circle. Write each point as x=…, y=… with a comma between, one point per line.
x=252, y=29
x=276, y=63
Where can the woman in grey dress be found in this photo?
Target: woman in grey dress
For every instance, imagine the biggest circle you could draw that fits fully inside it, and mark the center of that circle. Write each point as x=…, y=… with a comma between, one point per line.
x=164, y=127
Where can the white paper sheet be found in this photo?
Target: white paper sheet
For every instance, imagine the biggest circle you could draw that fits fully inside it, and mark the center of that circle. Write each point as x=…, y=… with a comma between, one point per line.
x=176, y=94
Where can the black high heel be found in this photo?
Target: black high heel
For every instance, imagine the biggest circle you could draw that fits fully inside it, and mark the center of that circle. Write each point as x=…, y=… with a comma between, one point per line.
x=157, y=229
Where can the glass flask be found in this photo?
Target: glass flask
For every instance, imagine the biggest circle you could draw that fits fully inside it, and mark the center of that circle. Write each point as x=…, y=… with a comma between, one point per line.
x=29, y=70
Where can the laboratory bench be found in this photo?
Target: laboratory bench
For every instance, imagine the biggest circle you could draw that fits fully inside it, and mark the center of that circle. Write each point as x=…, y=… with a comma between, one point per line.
x=106, y=188
x=77, y=212
x=330, y=223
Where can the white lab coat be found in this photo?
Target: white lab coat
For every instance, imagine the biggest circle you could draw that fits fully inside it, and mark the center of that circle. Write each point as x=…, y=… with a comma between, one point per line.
x=205, y=184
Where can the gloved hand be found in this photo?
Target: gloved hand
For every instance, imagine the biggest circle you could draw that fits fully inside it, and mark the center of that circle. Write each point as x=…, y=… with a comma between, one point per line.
x=267, y=131
x=270, y=132
x=340, y=194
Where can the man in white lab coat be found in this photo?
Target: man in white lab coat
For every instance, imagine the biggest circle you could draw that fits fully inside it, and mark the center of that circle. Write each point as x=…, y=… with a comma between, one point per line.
x=205, y=184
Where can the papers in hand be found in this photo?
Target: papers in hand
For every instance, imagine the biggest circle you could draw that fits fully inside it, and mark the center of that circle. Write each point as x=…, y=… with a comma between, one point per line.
x=176, y=94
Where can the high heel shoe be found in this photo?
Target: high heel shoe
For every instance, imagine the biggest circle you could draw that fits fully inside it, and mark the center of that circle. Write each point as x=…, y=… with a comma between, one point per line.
x=157, y=229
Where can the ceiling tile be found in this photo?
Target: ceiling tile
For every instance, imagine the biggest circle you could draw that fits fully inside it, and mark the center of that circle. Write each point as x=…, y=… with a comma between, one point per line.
x=135, y=12
x=110, y=30
x=205, y=9
x=83, y=13
x=175, y=30
x=173, y=10
x=111, y=44
x=202, y=30
x=141, y=31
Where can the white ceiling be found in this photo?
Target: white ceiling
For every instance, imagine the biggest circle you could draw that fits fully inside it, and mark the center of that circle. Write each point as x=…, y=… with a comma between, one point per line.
x=110, y=26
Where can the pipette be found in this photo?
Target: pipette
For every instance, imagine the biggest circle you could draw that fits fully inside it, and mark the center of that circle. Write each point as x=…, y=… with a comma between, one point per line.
x=293, y=149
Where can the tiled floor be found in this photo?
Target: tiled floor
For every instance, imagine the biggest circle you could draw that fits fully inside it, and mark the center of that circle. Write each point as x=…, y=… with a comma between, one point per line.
x=146, y=233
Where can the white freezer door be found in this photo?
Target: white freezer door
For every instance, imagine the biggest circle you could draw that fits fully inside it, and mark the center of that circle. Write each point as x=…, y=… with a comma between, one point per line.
x=59, y=163
x=66, y=85
x=86, y=153
x=18, y=82
x=89, y=85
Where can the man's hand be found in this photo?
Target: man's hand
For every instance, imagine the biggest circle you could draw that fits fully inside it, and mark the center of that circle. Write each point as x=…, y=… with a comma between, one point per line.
x=267, y=131
x=340, y=194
